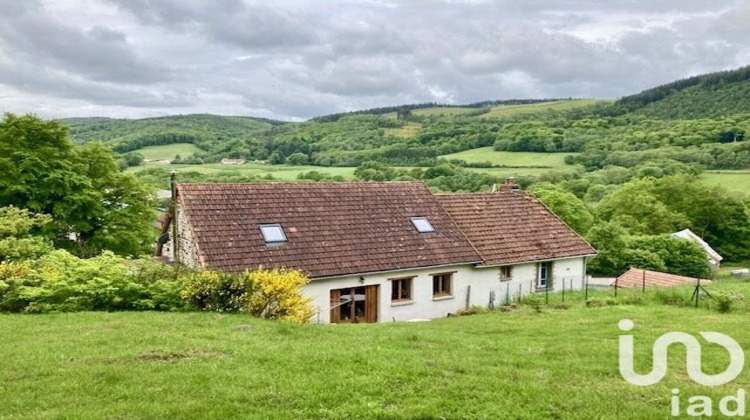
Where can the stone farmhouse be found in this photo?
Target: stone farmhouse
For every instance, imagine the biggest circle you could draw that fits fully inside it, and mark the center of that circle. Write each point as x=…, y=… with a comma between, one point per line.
x=379, y=251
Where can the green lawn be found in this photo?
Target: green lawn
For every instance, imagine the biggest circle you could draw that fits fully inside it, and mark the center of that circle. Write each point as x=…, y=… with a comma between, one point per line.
x=282, y=172
x=561, y=363
x=733, y=180
x=510, y=110
x=168, y=151
x=529, y=159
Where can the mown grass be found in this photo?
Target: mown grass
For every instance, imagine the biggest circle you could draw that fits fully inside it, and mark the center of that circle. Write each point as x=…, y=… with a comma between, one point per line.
x=738, y=181
x=168, y=151
x=510, y=110
x=281, y=172
x=515, y=365
x=518, y=159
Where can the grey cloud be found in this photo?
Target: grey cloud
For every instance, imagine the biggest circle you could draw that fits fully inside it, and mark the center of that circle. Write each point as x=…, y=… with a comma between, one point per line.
x=301, y=58
x=100, y=53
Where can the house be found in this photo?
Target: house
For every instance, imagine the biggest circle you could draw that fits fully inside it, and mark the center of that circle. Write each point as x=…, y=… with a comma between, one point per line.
x=638, y=278
x=227, y=161
x=713, y=257
x=378, y=251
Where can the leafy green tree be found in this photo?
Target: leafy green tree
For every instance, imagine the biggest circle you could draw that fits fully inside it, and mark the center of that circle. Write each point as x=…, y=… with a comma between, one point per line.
x=636, y=207
x=571, y=209
x=297, y=159
x=18, y=240
x=93, y=206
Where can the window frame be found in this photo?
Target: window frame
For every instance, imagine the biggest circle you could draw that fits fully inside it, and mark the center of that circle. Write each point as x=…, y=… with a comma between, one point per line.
x=415, y=219
x=272, y=226
x=398, y=282
x=542, y=281
x=441, y=277
x=509, y=276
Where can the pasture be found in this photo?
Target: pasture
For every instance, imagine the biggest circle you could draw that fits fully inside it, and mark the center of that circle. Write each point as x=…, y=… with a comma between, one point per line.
x=512, y=110
x=738, y=181
x=512, y=159
x=208, y=365
x=281, y=172
x=168, y=151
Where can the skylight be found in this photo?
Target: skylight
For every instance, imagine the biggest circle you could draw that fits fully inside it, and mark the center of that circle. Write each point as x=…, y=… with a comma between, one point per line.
x=422, y=224
x=273, y=234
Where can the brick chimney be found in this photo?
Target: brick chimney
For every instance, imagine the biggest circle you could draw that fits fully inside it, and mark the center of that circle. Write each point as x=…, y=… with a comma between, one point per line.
x=510, y=185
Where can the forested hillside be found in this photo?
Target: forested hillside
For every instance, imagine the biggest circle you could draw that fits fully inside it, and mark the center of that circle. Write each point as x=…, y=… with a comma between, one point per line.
x=214, y=134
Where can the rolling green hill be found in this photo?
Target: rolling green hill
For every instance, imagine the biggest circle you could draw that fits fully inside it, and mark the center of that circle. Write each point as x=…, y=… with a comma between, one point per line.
x=210, y=133
x=708, y=95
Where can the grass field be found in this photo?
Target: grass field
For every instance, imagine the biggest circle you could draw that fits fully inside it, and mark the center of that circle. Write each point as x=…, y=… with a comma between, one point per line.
x=510, y=110
x=732, y=180
x=168, y=151
x=560, y=363
x=529, y=159
x=410, y=129
x=282, y=172
x=443, y=110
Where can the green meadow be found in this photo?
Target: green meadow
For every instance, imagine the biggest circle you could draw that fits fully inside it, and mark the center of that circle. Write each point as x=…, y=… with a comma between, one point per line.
x=281, y=172
x=168, y=151
x=559, y=362
x=738, y=181
x=511, y=110
x=512, y=159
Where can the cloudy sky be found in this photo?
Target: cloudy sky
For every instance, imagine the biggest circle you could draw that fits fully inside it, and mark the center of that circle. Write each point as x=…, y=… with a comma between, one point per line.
x=296, y=59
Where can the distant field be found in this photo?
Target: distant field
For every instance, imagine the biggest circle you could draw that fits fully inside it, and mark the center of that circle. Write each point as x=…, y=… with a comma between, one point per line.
x=282, y=172
x=488, y=154
x=732, y=180
x=168, y=151
x=510, y=110
x=410, y=129
x=443, y=110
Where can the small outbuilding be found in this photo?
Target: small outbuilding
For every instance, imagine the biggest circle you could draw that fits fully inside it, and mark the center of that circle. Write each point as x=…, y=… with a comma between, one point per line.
x=637, y=278
x=227, y=161
x=713, y=257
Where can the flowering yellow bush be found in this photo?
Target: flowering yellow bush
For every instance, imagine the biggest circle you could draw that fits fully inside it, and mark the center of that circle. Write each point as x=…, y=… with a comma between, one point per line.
x=277, y=294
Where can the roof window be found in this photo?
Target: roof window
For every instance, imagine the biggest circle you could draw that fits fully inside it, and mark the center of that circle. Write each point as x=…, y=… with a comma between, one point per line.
x=422, y=225
x=273, y=233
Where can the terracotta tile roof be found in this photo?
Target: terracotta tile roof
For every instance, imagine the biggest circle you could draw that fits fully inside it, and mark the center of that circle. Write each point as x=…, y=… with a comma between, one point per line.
x=512, y=226
x=635, y=276
x=332, y=228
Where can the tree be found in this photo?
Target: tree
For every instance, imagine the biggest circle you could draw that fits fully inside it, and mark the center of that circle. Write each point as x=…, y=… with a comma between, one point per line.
x=92, y=205
x=17, y=238
x=571, y=209
x=297, y=159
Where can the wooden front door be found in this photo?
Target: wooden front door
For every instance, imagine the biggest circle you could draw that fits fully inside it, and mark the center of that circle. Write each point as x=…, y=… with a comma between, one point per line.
x=354, y=304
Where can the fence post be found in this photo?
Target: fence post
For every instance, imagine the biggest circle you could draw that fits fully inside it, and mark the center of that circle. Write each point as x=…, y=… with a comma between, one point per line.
x=585, y=287
x=520, y=291
x=507, y=293
x=643, y=288
x=546, y=292
x=697, y=292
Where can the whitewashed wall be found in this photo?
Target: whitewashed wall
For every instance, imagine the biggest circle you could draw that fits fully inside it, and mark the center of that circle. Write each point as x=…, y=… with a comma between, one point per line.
x=485, y=284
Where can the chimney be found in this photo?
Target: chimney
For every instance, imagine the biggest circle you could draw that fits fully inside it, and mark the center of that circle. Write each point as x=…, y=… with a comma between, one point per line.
x=510, y=185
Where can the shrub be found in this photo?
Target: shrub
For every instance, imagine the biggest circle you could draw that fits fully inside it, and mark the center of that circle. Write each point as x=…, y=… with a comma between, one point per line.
x=277, y=294
x=725, y=301
x=535, y=301
x=62, y=282
x=217, y=291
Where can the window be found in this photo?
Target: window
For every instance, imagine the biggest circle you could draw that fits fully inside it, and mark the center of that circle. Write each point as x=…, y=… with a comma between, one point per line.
x=422, y=224
x=544, y=269
x=273, y=234
x=506, y=273
x=401, y=289
x=442, y=284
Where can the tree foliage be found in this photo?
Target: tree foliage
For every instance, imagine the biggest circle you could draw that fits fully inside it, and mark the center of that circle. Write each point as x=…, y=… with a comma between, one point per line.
x=93, y=206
